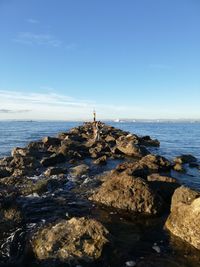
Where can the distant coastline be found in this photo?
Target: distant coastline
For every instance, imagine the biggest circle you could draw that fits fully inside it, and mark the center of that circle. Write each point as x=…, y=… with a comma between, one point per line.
x=121, y=120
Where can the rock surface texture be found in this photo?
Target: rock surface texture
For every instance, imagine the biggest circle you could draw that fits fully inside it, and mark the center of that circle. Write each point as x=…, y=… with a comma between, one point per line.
x=128, y=193
x=184, y=218
x=77, y=238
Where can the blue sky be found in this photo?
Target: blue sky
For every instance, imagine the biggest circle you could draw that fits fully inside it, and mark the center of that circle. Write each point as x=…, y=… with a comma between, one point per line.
x=128, y=59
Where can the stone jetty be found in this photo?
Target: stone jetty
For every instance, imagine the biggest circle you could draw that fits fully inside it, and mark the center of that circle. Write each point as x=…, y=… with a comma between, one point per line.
x=40, y=183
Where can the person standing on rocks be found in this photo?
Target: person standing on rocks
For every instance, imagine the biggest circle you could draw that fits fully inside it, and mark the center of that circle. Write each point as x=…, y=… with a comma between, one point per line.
x=94, y=115
x=96, y=131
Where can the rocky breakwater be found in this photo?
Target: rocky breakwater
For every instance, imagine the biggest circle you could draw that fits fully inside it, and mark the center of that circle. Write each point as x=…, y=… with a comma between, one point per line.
x=50, y=189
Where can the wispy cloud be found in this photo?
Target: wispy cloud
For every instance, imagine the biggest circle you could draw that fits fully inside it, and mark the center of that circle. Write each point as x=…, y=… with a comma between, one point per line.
x=30, y=38
x=14, y=111
x=49, y=99
x=33, y=21
x=50, y=105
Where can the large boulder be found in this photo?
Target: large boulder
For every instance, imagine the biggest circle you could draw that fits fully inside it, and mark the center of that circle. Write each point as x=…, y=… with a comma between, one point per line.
x=128, y=193
x=184, y=218
x=130, y=148
x=71, y=240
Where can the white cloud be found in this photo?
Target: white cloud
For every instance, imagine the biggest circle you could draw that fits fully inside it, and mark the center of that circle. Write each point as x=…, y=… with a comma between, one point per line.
x=30, y=38
x=54, y=106
x=14, y=111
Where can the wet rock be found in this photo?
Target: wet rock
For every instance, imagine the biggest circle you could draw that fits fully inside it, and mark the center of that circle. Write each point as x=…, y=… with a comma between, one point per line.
x=55, y=171
x=129, y=148
x=147, y=141
x=79, y=170
x=52, y=160
x=128, y=193
x=100, y=161
x=71, y=240
x=185, y=159
x=179, y=167
x=183, y=220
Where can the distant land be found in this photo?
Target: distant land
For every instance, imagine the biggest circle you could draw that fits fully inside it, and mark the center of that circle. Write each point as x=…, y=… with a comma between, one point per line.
x=121, y=120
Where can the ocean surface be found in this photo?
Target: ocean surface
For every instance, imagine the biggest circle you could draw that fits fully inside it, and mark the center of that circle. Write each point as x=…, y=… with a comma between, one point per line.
x=175, y=138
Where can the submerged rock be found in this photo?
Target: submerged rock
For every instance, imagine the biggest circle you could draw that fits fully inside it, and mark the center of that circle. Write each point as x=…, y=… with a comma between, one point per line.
x=185, y=159
x=71, y=240
x=184, y=218
x=128, y=193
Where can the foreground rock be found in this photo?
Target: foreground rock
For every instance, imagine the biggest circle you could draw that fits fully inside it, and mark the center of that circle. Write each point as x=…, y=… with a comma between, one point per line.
x=128, y=193
x=184, y=218
x=75, y=239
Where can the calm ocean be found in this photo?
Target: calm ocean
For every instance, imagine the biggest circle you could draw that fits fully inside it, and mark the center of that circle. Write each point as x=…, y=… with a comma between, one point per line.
x=175, y=138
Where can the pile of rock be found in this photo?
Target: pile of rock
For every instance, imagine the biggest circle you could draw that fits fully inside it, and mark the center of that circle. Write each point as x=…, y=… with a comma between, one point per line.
x=141, y=183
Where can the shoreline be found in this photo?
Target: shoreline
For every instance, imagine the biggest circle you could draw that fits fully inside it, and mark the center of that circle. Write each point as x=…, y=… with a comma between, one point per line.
x=72, y=166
